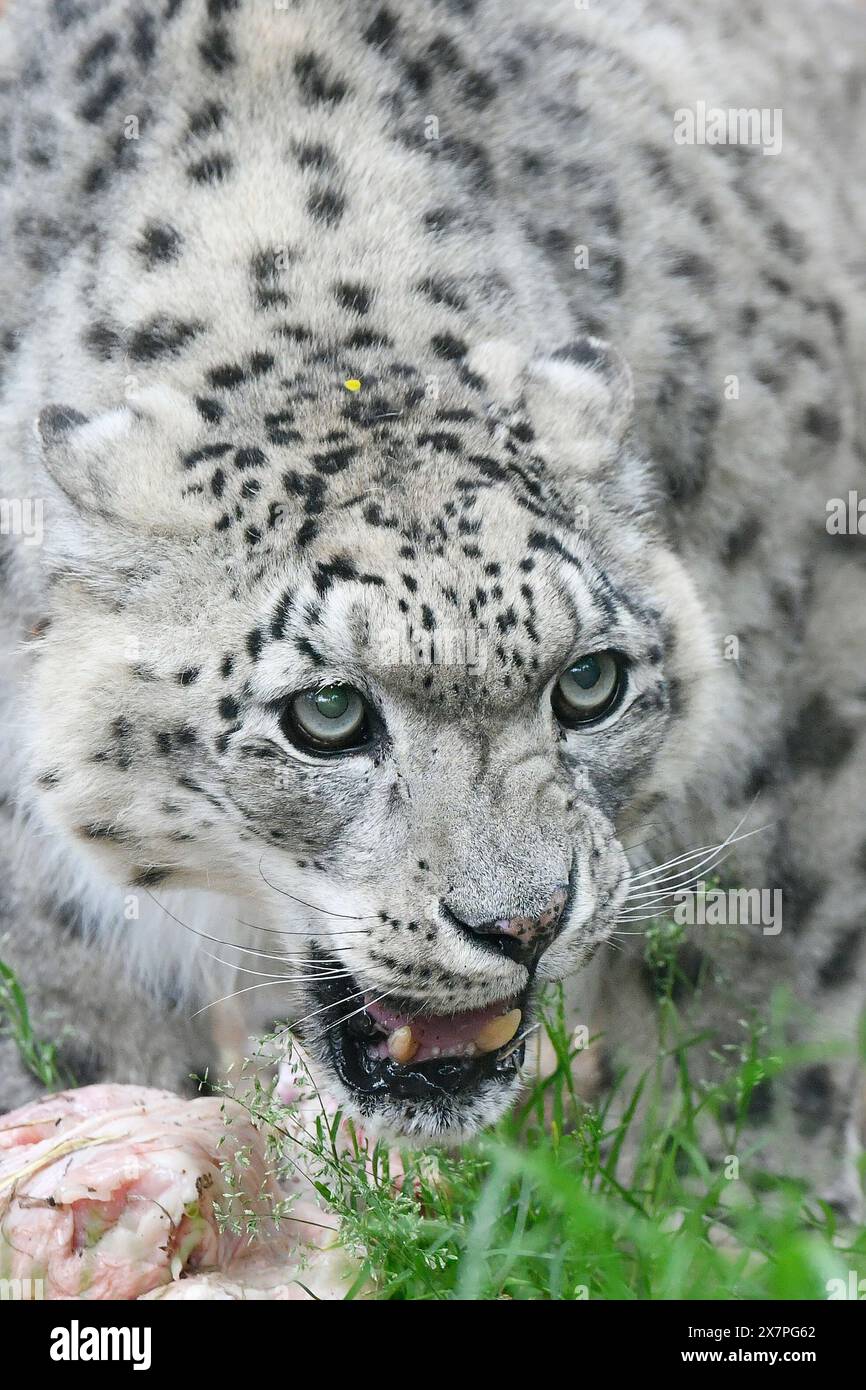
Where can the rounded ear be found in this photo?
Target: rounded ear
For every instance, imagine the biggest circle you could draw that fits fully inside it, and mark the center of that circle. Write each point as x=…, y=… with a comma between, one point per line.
x=55, y=421
x=579, y=402
x=580, y=399
x=501, y=364
x=114, y=478
x=122, y=465
x=78, y=454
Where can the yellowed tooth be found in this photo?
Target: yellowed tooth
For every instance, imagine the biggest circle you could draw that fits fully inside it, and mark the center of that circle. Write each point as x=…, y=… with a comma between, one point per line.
x=498, y=1031
x=402, y=1045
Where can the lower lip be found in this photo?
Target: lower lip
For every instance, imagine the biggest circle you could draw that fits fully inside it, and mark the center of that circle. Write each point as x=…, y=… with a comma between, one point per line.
x=437, y=1078
x=374, y=1079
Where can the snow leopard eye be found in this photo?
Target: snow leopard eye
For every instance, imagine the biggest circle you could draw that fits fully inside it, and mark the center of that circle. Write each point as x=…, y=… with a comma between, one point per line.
x=588, y=689
x=334, y=718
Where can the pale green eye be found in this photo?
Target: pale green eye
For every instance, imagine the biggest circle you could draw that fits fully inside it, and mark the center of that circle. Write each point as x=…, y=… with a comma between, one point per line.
x=588, y=689
x=333, y=717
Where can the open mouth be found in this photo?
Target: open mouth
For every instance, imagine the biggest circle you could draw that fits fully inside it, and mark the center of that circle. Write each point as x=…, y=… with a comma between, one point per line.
x=401, y=1052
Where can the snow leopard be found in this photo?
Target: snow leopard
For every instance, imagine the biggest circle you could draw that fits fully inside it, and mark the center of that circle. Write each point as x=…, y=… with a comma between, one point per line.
x=419, y=423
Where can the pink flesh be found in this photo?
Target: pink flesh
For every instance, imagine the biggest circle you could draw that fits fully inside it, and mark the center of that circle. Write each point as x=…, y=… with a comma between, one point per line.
x=97, y=1188
x=444, y=1035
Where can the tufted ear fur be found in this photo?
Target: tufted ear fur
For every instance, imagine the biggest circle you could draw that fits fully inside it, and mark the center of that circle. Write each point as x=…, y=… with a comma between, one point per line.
x=114, y=477
x=579, y=401
x=579, y=398
x=122, y=465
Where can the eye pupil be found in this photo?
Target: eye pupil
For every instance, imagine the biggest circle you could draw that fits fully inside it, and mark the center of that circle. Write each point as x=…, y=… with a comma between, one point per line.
x=586, y=672
x=589, y=689
x=332, y=719
x=332, y=702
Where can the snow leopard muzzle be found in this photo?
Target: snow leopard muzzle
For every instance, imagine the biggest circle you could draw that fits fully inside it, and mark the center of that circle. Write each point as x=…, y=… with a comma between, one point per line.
x=521, y=938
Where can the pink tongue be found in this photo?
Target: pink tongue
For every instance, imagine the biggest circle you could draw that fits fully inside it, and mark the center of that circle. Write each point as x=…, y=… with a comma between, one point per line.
x=445, y=1035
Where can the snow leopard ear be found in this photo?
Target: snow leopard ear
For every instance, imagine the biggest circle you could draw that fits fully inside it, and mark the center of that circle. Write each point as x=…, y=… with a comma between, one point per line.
x=579, y=399
x=112, y=479
x=121, y=467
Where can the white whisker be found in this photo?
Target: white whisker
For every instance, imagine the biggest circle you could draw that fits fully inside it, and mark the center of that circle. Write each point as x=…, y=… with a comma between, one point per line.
x=645, y=917
x=295, y=961
x=671, y=863
x=338, y=1021
x=690, y=854
x=298, y=1022
x=516, y=1042
x=659, y=895
x=679, y=884
x=263, y=984
x=345, y=916
x=700, y=867
x=243, y=970
x=334, y=931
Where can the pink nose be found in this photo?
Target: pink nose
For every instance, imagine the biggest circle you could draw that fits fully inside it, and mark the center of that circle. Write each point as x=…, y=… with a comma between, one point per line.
x=521, y=938
x=529, y=929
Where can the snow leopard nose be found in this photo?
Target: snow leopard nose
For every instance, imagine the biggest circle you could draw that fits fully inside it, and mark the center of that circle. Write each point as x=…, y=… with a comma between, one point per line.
x=521, y=938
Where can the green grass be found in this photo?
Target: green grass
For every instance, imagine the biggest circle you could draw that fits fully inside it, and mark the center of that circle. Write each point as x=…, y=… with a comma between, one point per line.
x=40, y=1058
x=539, y=1207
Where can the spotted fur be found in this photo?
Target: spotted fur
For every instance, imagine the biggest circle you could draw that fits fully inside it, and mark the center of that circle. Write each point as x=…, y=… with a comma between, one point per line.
x=218, y=213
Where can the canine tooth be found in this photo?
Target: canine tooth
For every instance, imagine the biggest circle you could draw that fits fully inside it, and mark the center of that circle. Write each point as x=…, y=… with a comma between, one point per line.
x=498, y=1031
x=402, y=1045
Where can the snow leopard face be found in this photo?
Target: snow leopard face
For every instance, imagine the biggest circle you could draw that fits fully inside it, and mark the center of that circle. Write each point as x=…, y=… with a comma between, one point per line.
x=396, y=666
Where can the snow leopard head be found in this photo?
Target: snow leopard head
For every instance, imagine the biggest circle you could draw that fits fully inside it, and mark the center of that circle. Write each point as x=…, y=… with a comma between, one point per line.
x=397, y=664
